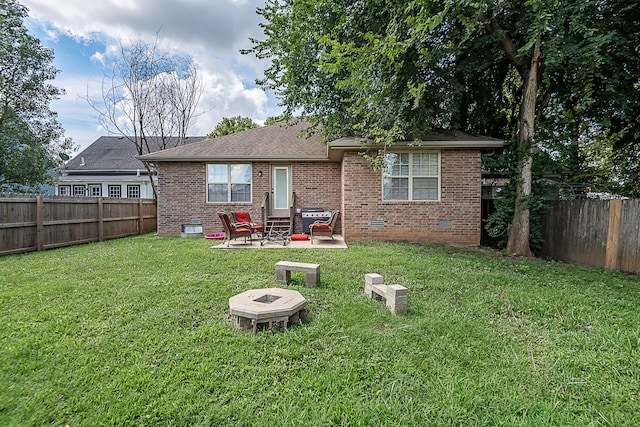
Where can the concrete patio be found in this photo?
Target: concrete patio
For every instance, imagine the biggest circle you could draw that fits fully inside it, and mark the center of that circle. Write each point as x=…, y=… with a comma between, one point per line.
x=322, y=242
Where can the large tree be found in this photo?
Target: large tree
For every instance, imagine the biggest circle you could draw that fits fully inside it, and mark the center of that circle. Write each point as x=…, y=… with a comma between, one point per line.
x=31, y=138
x=229, y=125
x=387, y=70
x=149, y=96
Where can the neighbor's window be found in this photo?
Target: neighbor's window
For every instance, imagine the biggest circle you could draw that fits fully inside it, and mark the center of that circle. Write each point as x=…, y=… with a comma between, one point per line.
x=79, y=190
x=411, y=176
x=115, y=191
x=64, y=190
x=95, y=190
x=227, y=183
x=133, y=191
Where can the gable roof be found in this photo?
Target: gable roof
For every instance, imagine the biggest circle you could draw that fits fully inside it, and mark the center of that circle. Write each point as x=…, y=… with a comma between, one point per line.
x=280, y=141
x=114, y=153
x=288, y=142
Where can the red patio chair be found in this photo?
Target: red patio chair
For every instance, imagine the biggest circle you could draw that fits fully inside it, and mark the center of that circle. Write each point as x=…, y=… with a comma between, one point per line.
x=243, y=219
x=324, y=228
x=232, y=230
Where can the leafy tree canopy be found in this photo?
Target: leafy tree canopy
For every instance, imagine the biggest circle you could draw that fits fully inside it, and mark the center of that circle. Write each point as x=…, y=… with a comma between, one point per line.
x=524, y=71
x=229, y=125
x=31, y=138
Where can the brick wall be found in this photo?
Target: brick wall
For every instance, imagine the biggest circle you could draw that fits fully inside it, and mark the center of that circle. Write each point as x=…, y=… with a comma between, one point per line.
x=182, y=193
x=455, y=219
x=317, y=185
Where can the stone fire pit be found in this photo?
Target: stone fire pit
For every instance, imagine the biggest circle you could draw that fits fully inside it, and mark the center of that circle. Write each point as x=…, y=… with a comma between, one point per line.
x=266, y=306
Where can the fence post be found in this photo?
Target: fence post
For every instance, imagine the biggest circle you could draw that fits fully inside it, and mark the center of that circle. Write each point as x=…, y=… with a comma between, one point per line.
x=141, y=217
x=100, y=219
x=613, y=234
x=39, y=223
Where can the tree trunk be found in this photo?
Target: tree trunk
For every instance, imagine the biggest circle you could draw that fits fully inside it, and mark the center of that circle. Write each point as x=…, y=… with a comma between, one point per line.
x=518, y=243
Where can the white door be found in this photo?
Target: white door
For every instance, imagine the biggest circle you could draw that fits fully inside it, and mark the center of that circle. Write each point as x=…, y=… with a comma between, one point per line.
x=280, y=190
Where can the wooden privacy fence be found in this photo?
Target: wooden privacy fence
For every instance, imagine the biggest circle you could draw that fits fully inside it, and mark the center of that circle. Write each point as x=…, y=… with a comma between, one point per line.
x=39, y=222
x=594, y=233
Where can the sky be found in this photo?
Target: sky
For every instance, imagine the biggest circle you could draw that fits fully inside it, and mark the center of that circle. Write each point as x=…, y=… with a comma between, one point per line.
x=82, y=33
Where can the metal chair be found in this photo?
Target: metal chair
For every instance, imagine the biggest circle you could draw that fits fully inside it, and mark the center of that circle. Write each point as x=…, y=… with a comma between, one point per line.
x=324, y=228
x=232, y=230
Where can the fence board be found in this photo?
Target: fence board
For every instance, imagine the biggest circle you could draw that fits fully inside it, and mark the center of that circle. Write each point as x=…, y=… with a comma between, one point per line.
x=629, y=246
x=30, y=222
x=583, y=232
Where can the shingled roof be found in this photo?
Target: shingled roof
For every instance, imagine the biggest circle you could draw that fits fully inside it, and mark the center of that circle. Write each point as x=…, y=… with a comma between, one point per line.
x=288, y=142
x=280, y=141
x=114, y=153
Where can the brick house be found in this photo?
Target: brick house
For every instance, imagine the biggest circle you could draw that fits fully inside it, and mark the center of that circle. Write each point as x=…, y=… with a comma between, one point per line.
x=427, y=194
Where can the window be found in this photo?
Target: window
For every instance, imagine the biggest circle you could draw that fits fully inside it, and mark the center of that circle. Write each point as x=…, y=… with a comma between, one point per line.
x=95, y=190
x=64, y=190
x=115, y=191
x=79, y=190
x=411, y=176
x=227, y=183
x=133, y=191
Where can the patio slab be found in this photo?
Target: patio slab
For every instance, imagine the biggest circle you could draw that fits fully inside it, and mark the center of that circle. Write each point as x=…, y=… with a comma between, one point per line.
x=319, y=243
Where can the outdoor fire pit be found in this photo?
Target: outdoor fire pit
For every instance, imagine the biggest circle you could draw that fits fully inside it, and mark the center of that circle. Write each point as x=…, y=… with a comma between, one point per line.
x=267, y=305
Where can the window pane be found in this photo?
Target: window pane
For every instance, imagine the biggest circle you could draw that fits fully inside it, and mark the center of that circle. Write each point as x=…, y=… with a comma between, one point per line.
x=114, y=191
x=425, y=189
x=425, y=164
x=79, y=190
x=218, y=193
x=397, y=164
x=240, y=193
x=396, y=189
x=133, y=191
x=218, y=173
x=241, y=173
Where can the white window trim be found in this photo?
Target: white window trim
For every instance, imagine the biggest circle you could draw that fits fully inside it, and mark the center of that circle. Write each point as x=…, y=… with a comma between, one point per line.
x=114, y=186
x=410, y=178
x=131, y=186
x=91, y=187
x=81, y=187
x=229, y=182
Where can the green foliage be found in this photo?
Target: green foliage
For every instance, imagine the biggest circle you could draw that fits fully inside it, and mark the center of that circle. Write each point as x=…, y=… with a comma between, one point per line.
x=504, y=164
x=136, y=331
x=229, y=125
x=396, y=70
x=31, y=138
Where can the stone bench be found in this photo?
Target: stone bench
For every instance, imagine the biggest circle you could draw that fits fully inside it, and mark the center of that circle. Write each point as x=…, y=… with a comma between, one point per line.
x=395, y=296
x=284, y=269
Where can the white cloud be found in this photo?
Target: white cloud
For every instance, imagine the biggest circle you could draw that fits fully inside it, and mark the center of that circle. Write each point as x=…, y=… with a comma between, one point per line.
x=212, y=32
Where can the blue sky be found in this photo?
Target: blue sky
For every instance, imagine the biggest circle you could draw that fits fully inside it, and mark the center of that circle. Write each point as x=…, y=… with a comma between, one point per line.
x=83, y=32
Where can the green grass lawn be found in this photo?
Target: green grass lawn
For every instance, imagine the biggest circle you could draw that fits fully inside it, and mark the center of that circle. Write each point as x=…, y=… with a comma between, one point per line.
x=136, y=331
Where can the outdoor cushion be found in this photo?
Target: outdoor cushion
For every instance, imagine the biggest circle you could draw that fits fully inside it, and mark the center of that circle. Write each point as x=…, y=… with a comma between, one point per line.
x=321, y=228
x=242, y=216
x=299, y=237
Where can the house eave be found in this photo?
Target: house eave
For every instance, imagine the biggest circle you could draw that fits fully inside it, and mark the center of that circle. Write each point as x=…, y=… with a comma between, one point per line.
x=104, y=171
x=153, y=159
x=351, y=144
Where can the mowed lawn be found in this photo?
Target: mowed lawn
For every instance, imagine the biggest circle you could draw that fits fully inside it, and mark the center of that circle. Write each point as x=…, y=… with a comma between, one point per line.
x=137, y=331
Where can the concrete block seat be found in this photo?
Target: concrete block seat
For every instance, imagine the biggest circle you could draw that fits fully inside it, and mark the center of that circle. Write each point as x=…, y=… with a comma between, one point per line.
x=266, y=305
x=395, y=296
x=284, y=269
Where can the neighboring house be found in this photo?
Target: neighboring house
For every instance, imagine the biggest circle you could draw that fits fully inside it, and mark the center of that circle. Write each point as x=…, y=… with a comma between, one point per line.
x=108, y=168
x=428, y=194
